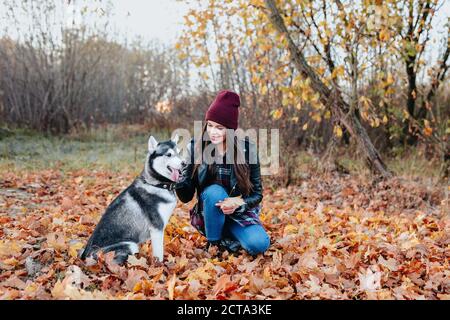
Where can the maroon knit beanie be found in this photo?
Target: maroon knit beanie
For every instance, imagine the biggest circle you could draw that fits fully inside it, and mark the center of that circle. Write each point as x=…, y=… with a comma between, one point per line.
x=225, y=109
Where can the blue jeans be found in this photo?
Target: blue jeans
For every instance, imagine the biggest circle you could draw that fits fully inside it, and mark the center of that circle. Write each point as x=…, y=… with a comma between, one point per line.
x=253, y=238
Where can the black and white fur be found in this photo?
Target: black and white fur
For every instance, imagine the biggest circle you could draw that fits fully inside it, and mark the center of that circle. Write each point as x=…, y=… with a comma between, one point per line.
x=142, y=211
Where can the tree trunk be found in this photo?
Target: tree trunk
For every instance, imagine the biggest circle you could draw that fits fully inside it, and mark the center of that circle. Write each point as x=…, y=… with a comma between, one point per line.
x=416, y=27
x=409, y=130
x=331, y=97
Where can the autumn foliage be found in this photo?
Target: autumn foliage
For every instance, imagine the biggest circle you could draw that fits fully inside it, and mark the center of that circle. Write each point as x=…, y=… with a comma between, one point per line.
x=332, y=237
x=346, y=83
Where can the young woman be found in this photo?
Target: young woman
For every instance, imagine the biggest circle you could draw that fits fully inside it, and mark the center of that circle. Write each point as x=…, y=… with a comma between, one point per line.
x=228, y=227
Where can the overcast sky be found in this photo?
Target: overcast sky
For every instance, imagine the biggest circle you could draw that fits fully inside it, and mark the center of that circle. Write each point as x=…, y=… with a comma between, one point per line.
x=151, y=19
x=163, y=19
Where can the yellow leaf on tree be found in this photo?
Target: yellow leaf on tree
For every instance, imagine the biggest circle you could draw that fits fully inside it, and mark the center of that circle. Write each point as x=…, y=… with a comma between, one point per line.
x=263, y=90
x=405, y=114
x=365, y=101
x=337, y=131
x=377, y=122
x=315, y=97
x=277, y=113
x=389, y=79
x=384, y=34
x=204, y=76
x=291, y=95
x=337, y=72
x=317, y=118
x=305, y=95
x=305, y=84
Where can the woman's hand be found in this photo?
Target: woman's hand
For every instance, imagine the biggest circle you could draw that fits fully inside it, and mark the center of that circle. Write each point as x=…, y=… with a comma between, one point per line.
x=226, y=209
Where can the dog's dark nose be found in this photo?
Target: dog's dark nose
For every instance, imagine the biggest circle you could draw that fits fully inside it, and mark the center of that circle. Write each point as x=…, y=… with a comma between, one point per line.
x=183, y=163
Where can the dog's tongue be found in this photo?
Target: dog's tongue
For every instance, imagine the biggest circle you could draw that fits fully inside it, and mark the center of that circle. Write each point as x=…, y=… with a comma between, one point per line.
x=175, y=175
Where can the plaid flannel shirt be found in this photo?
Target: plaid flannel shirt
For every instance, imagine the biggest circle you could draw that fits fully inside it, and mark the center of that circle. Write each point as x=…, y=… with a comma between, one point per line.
x=222, y=177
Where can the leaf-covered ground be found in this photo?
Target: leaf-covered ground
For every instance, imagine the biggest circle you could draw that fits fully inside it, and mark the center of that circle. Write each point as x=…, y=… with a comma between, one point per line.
x=333, y=237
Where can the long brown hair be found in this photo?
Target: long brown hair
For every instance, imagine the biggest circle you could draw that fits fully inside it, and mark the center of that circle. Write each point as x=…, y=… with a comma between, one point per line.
x=240, y=168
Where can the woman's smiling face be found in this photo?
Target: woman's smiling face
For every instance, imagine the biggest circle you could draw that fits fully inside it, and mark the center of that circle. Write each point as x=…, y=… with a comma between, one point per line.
x=216, y=132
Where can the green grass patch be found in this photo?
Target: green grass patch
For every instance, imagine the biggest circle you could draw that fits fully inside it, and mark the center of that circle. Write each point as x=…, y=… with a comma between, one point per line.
x=122, y=148
x=115, y=149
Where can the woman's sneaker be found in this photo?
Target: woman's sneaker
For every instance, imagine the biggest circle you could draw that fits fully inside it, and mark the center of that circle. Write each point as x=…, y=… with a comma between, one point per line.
x=225, y=244
x=231, y=245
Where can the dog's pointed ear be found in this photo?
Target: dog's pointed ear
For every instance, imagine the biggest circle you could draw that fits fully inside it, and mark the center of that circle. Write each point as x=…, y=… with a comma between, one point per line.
x=152, y=143
x=175, y=139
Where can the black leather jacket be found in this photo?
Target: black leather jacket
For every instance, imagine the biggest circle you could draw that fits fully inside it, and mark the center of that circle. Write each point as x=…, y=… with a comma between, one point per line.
x=187, y=186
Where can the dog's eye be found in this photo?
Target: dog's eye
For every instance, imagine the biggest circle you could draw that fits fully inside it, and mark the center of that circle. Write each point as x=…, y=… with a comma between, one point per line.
x=169, y=154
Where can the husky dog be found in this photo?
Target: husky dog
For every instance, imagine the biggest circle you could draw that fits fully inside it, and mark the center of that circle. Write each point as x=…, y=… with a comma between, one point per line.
x=142, y=210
